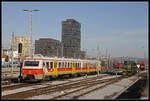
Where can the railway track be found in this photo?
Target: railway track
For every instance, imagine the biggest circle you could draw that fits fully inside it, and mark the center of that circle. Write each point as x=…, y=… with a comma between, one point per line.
x=91, y=86
x=6, y=82
x=51, y=88
x=20, y=85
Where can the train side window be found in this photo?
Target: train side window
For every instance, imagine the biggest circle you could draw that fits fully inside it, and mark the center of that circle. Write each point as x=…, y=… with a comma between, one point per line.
x=86, y=65
x=68, y=65
x=62, y=65
x=47, y=64
x=76, y=65
x=51, y=65
x=65, y=64
x=71, y=64
x=59, y=65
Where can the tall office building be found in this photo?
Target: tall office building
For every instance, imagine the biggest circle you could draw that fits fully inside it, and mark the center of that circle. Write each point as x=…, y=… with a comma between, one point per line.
x=71, y=39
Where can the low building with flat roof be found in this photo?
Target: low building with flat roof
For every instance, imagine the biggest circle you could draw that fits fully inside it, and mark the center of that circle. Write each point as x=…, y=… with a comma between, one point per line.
x=48, y=47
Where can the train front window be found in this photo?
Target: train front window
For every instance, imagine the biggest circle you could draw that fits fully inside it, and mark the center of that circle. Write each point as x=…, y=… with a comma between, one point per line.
x=31, y=63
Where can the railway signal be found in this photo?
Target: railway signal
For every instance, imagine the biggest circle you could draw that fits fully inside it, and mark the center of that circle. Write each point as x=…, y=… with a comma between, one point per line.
x=20, y=48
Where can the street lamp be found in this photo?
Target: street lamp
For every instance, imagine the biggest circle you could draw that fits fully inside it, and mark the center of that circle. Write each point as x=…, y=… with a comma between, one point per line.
x=26, y=10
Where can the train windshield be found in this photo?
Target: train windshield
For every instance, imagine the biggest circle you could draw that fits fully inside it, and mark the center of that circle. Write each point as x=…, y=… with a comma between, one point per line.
x=31, y=63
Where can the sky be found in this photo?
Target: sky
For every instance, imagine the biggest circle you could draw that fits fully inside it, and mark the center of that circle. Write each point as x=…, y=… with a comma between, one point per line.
x=121, y=28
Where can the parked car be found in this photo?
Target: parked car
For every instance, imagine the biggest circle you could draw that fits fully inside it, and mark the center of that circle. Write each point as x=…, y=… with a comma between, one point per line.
x=5, y=64
x=15, y=64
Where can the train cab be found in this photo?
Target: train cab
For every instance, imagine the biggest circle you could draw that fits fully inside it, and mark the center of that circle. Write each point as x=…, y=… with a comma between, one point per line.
x=31, y=69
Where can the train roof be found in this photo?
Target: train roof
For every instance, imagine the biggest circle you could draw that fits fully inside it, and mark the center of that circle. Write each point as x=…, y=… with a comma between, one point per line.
x=56, y=58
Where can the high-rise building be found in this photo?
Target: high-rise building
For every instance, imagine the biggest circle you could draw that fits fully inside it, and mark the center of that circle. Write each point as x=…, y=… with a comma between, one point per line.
x=71, y=39
x=48, y=47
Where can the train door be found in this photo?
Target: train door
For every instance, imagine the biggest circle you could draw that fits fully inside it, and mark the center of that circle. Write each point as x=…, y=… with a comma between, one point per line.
x=97, y=69
x=88, y=67
x=45, y=68
x=73, y=67
x=55, y=68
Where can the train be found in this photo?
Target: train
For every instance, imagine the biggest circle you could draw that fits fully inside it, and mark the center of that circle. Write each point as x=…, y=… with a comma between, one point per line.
x=128, y=67
x=125, y=68
x=40, y=68
x=142, y=66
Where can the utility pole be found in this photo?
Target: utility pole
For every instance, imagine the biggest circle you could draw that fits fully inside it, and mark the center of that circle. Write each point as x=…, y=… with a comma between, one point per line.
x=31, y=27
x=145, y=53
x=62, y=49
x=106, y=61
x=12, y=59
x=74, y=55
x=57, y=51
x=97, y=52
x=109, y=65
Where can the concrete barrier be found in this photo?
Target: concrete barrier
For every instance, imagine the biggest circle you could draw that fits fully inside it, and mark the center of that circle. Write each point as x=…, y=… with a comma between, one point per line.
x=8, y=69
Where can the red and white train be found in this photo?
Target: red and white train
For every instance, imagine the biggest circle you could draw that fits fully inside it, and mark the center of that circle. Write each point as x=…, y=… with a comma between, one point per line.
x=39, y=68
